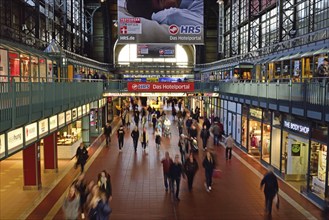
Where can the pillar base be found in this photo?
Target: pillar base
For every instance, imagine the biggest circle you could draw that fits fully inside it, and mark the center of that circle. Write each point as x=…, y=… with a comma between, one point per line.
x=50, y=170
x=32, y=187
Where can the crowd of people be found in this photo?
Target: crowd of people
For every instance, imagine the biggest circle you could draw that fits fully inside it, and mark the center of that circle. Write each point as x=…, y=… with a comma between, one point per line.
x=89, y=200
x=93, y=199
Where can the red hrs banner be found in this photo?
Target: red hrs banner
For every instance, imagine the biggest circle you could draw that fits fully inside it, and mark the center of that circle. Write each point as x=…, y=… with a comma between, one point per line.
x=161, y=87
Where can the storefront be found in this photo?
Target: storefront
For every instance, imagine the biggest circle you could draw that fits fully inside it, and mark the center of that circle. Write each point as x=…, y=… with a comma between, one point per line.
x=69, y=139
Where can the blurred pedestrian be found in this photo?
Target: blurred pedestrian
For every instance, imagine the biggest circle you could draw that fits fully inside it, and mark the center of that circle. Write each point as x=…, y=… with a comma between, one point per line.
x=121, y=135
x=107, y=133
x=81, y=156
x=135, y=135
x=99, y=205
x=176, y=171
x=229, y=142
x=157, y=139
x=209, y=166
x=270, y=190
x=190, y=168
x=204, y=134
x=81, y=186
x=71, y=204
x=166, y=163
x=104, y=183
x=144, y=139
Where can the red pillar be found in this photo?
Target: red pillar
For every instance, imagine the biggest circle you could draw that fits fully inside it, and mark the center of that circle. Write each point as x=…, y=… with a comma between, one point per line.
x=31, y=166
x=50, y=152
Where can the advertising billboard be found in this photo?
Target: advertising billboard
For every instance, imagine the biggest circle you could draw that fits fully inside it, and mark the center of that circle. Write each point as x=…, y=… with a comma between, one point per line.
x=155, y=51
x=151, y=22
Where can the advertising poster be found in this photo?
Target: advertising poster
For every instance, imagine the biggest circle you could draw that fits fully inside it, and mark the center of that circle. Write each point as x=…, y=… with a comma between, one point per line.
x=43, y=127
x=61, y=119
x=2, y=146
x=160, y=87
x=31, y=133
x=15, y=140
x=53, y=123
x=152, y=22
x=155, y=51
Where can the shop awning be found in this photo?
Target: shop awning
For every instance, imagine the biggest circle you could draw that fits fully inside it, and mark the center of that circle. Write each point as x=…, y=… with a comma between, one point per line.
x=321, y=51
x=308, y=54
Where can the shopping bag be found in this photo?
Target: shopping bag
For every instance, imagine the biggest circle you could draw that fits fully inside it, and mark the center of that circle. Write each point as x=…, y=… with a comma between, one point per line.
x=277, y=201
x=217, y=173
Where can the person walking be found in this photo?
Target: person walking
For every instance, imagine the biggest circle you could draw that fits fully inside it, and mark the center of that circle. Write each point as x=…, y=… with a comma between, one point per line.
x=144, y=139
x=135, y=135
x=104, y=183
x=99, y=207
x=82, y=156
x=121, y=135
x=216, y=132
x=176, y=171
x=182, y=147
x=157, y=139
x=209, y=166
x=204, y=134
x=229, y=142
x=190, y=168
x=154, y=121
x=71, y=204
x=107, y=133
x=81, y=187
x=270, y=190
x=166, y=163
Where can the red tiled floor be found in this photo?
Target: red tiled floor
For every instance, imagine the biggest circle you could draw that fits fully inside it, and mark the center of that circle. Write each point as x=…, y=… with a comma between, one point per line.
x=138, y=191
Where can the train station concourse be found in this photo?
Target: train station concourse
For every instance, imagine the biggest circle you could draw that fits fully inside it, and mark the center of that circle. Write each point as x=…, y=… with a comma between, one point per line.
x=164, y=110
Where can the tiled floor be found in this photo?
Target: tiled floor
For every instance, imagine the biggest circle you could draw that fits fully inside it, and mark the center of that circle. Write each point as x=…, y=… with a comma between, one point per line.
x=138, y=191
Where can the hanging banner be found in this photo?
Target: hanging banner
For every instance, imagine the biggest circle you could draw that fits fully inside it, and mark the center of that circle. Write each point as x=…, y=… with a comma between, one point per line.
x=176, y=22
x=160, y=87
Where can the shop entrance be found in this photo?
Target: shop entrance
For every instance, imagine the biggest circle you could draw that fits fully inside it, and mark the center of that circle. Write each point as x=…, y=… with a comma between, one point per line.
x=295, y=151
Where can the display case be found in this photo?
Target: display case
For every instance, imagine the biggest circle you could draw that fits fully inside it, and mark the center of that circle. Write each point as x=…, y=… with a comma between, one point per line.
x=68, y=140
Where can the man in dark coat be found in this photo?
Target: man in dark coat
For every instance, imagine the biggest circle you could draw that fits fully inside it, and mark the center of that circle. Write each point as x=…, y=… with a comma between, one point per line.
x=121, y=135
x=270, y=190
x=204, y=134
x=82, y=156
x=135, y=135
x=107, y=133
x=176, y=171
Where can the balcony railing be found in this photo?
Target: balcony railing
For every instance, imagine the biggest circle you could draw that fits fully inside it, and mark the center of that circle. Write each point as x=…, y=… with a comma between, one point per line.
x=25, y=102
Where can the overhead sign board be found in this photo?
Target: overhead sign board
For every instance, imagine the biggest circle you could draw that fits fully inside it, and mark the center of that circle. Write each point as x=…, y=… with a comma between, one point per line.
x=177, y=22
x=160, y=87
x=155, y=51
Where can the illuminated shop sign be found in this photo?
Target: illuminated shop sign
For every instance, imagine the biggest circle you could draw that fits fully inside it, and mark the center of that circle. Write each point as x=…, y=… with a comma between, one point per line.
x=2, y=145
x=88, y=107
x=74, y=114
x=68, y=116
x=15, y=139
x=160, y=87
x=53, y=122
x=296, y=127
x=79, y=111
x=84, y=107
x=257, y=113
x=61, y=119
x=43, y=127
x=31, y=132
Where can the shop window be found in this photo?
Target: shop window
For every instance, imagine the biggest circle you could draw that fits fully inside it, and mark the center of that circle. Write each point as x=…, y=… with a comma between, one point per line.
x=319, y=132
x=255, y=137
x=276, y=118
x=275, y=148
x=70, y=134
x=25, y=67
x=267, y=116
x=318, y=169
x=34, y=69
x=3, y=66
x=14, y=66
x=244, y=129
x=266, y=142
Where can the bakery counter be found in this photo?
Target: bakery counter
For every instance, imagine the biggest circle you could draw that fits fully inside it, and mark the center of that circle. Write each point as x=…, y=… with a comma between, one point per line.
x=67, y=149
